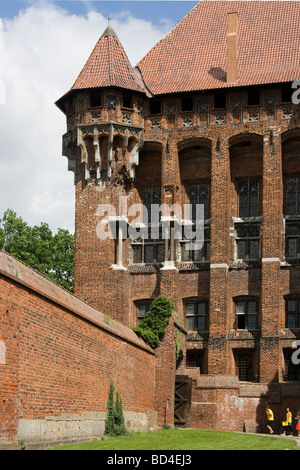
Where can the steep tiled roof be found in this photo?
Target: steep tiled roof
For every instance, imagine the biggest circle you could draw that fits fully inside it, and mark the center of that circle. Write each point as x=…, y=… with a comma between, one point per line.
x=108, y=66
x=193, y=55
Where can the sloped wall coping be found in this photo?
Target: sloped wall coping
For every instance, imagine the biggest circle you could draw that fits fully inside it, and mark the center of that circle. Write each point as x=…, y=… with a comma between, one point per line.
x=19, y=272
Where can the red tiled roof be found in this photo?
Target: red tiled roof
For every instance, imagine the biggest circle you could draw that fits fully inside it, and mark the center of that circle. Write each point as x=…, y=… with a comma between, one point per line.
x=193, y=55
x=108, y=66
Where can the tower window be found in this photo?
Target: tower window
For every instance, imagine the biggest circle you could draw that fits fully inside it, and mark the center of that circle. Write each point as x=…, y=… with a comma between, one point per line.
x=253, y=97
x=187, y=103
x=95, y=99
x=286, y=93
x=155, y=106
x=220, y=100
x=127, y=100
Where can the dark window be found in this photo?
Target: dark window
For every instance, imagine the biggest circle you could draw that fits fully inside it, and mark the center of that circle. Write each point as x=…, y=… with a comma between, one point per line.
x=127, y=100
x=244, y=365
x=220, y=100
x=292, y=370
x=155, y=106
x=196, y=315
x=187, y=103
x=142, y=308
x=248, y=193
x=292, y=313
x=196, y=358
x=150, y=246
x=151, y=197
x=248, y=241
x=253, y=96
x=196, y=254
x=286, y=93
x=95, y=99
x=198, y=194
x=292, y=240
x=246, y=314
x=293, y=195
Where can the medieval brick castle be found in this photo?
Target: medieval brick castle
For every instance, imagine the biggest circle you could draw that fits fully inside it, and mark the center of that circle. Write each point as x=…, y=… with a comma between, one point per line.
x=206, y=117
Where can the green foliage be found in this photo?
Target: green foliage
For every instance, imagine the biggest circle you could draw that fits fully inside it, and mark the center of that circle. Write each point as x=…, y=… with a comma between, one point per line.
x=119, y=426
x=51, y=255
x=153, y=326
x=114, y=423
x=109, y=422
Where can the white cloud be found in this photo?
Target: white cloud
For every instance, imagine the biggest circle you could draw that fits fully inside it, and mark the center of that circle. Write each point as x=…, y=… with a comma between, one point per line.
x=42, y=51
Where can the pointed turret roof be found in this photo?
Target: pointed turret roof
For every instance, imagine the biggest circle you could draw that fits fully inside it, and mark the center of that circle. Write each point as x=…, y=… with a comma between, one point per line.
x=108, y=66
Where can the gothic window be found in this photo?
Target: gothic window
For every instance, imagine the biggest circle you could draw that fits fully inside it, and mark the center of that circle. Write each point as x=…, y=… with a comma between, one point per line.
x=150, y=247
x=196, y=315
x=293, y=195
x=246, y=314
x=293, y=313
x=198, y=194
x=244, y=365
x=292, y=240
x=150, y=197
x=248, y=194
x=248, y=241
x=196, y=255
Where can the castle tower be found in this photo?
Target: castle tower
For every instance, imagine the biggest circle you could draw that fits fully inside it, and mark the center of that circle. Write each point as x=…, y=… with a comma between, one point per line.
x=104, y=112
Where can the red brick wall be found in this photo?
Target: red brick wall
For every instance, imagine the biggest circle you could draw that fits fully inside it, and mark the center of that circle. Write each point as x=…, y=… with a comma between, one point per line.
x=61, y=355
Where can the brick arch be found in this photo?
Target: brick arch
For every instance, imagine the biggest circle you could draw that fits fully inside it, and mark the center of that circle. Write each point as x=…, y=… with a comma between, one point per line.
x=194, y=141
x=149, y=168
x=194, y=159
x=246, y=137
x=290, y=134
x=246, y=155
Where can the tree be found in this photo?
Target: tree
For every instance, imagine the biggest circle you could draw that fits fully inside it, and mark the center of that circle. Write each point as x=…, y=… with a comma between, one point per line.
x=51, y=255
x=114, y=422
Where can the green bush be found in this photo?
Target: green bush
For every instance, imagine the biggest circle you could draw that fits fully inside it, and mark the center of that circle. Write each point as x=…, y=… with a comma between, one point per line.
x=114, y=423
x=153, y=326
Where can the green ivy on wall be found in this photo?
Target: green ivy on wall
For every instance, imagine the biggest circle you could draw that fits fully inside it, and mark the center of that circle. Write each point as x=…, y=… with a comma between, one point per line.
x=152, y=327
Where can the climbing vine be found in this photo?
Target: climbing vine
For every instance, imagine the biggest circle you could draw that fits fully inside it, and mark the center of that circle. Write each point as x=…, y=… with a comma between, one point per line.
x=152, y=327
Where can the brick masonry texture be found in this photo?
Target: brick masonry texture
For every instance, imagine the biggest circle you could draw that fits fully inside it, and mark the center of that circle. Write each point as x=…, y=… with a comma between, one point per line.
x=173, y=131
x=60, y=357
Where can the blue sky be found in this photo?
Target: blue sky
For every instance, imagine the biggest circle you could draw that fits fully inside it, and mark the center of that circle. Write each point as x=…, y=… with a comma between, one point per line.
x=151, y=10
x=43, y=47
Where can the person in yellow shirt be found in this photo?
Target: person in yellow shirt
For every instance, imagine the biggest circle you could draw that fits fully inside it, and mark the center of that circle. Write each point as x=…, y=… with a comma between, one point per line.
x=287, y=424
x=270, y=417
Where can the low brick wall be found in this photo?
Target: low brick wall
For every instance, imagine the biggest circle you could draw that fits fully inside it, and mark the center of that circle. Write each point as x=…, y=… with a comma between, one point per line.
x=57, y=358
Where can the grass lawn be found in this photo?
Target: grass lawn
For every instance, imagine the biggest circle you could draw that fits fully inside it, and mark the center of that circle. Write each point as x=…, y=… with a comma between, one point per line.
x=189, y=439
